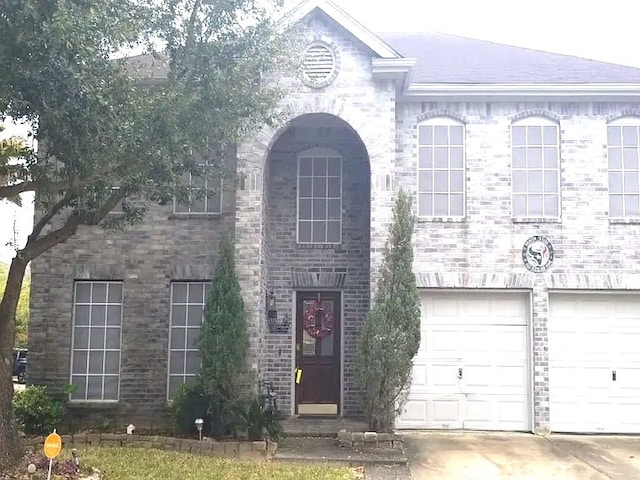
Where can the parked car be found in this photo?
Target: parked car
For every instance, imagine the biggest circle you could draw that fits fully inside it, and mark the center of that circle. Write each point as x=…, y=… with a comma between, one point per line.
x=20, y=364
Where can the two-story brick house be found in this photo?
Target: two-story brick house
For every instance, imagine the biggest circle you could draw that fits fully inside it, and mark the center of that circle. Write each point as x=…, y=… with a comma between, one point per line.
x=497, y=144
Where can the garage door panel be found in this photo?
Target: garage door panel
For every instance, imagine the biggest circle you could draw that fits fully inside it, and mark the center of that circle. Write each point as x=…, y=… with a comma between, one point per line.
x=495, y=412
x=431, y=411
x=494, y=379
x=442, y=342
x=499, y=342
x=475, y=309
x=443, y=378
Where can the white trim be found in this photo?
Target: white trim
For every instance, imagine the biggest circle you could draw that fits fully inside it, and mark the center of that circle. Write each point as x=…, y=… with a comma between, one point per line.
x=343, y=19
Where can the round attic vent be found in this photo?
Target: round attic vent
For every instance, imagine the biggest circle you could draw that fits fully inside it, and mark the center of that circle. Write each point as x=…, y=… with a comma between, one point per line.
x=319, y=65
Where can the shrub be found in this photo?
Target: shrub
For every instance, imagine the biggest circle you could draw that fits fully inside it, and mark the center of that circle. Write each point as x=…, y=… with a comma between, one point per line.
x=188, y=404
x=259, y=420
x=38, y=412
x=391, y=335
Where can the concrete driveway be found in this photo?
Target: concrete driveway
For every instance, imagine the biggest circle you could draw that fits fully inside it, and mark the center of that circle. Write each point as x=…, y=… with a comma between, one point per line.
x=501, y=456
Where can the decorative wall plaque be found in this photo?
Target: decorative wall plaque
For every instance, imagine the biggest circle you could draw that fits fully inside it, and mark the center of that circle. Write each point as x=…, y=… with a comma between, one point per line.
x=537, y=254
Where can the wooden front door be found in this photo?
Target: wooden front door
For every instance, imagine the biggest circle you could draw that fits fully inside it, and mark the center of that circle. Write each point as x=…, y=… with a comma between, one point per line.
x=318, y=325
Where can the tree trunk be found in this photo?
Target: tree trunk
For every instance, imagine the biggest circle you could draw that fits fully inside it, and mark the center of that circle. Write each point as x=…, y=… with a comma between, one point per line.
x=10, y=450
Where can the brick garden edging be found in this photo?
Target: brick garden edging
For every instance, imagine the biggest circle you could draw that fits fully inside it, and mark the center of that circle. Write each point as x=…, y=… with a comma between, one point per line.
x=370, y=439
x=260, y=450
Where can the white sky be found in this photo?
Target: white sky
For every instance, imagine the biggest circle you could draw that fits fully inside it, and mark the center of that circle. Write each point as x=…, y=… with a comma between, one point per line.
x=597, y=29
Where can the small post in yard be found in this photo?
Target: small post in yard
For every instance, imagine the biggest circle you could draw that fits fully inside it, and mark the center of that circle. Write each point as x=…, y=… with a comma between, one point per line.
x=52, y=447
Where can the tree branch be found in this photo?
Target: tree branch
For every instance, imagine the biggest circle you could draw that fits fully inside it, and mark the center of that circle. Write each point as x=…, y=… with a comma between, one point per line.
x=37, y=229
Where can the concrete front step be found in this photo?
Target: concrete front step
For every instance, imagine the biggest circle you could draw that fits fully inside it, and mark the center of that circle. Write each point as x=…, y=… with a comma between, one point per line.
x=327, y=426
x=326, y=450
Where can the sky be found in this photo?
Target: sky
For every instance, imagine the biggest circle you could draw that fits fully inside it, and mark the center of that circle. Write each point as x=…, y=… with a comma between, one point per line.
x=596, y=29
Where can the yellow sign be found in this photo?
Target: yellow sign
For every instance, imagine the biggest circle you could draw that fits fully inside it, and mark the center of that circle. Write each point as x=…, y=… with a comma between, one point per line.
x=52, y=445
x=298, y=375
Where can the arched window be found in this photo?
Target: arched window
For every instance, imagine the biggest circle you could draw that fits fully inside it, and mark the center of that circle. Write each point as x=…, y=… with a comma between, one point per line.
x=624, y=189
x=319, y=196
x=535, y=168
x=441, y=185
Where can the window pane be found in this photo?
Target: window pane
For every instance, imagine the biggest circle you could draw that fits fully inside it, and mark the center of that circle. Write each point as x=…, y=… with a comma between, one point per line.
x=424, y=205
x=112, y=363
x=457, y=205
x=630, y=135
x=320, y=167
x=174, y=385
x=98, y=314
x=198, y=203
x=550, y=181
x=176, y=362
x=304, y=232
x=333, y=232
x=95, y=362
x=519, y=157
x=425, y=181
x=614, y=136
x=441, y=157
x=519, y=205
x=425, y=135
x=441, y=135
x=334, y=209
x=534, y=181
x=99, y=293
x=615, y=206
x=178, y=315
x=96, y=338
x=456, y=157
x=94, y=388
x=112, y=340
x=305, y=187
x=214, y=204
x=441, y=181
x=631, y=205
x=631, y=182
x=193, y=334
x=534, y=157
x=535, y=205
x=82, y=315
x=456, y=135
x=615, y=158
x=615, y=182
x=193, y=362
x=551, y=157
x=457, y=181
x=319, y=232
x=195, y=315
x=81, y=337
x=518, y=136
x=334, y=187
x=519, y=181
x=111, y=387
x=441, y=205
x=114, y=315
x=305, y=209
x=305, y=167
x=80, y=362
x=326, y=345
x=178, y=338
x=425, y=157
x=196, y=292
x=550, y=135
x=319, y=187
x=334, y=167
x=179, y=292
x=534, y=135
x=115, y=293
x=551, y=205
x=80, y=384
x=83, y=292
x=630, y=157
x=319, y=209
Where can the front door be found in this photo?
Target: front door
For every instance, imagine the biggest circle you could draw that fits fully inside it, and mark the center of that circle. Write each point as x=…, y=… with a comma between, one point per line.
x=318, y=353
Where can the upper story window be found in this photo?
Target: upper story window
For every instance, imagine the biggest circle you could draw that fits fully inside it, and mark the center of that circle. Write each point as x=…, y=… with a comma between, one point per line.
x=624, y=190
x=535, y=168
x=441, y=186
x=198, y=202
x=319, y=196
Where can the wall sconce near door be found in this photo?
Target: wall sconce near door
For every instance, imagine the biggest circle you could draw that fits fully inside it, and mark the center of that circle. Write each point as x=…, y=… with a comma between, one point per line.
x=276, y=325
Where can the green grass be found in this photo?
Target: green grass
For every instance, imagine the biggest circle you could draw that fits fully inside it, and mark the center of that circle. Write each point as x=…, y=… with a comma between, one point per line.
x=148, y=464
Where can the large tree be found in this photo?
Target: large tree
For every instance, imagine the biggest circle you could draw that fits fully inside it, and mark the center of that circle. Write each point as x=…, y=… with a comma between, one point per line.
x=111, y=128
x=390, y=337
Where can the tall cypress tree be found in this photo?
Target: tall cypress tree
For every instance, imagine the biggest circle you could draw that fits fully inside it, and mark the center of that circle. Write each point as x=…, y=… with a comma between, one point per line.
x=223, y=341
x=391, y=335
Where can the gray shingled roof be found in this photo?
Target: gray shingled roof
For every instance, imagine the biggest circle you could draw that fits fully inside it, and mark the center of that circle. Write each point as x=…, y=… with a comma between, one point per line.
x=445, y=58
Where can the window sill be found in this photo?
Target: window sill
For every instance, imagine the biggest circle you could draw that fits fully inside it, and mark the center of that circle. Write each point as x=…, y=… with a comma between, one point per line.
x=93, y=404
x=624, y=221
x=442, y=219
x=535, y=220
x=188, y=216
x=318, y=246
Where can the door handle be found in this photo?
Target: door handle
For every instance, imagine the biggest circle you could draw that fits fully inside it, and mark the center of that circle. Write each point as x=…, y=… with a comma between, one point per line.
x=459, y=373
x=613, y=375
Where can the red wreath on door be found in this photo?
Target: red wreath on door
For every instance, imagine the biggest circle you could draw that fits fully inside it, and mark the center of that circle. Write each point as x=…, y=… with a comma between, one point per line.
x=309, y=320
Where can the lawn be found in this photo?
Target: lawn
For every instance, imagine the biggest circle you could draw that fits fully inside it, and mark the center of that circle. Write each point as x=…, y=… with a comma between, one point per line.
x=147, y=464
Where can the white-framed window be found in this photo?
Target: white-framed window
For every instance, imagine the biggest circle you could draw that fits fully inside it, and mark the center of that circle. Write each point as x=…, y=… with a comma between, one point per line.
x=623, y=147
x=441, y=166
x=535, y=168
x=187, y=309
x=319, y=218
x=197, y=202
x=96, y=339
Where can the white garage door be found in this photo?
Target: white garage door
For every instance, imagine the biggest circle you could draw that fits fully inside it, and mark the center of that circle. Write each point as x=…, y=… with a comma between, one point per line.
x=472, y=368
x=594, y=363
